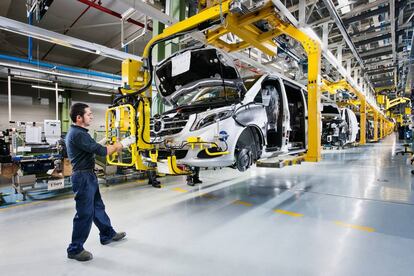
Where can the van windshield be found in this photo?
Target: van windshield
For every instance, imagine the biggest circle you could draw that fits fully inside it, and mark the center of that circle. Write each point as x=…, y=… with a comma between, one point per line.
x=205, y=95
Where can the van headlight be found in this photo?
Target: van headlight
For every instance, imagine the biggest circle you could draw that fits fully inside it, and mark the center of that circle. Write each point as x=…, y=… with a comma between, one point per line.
x=211, y=119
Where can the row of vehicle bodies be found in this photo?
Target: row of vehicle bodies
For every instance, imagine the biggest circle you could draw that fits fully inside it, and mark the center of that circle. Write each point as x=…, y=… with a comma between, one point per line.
x=339, y=125
x=244, y=118
x=235, y=120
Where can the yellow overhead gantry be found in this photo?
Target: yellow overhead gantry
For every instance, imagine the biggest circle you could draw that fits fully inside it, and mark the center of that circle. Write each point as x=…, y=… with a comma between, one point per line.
x=386, y=126
x=213, y=22
x=388, y=104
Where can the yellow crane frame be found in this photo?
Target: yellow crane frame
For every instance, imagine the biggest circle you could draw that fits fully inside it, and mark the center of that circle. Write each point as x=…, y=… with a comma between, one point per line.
x=136, y=75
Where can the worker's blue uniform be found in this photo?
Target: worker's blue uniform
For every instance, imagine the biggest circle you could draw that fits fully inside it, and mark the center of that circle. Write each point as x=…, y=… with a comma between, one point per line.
x=81, y=150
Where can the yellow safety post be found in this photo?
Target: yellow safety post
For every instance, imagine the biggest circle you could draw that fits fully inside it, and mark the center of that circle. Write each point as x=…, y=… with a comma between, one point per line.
x=381, y=99
x=375, y=126
x=363, y=122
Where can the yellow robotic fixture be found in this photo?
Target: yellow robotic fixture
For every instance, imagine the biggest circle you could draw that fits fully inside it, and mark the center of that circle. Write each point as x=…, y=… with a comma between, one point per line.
x=217, y=19
x=400, y=100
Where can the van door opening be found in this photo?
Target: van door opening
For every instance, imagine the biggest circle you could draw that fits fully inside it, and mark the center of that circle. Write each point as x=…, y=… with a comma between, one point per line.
x=296, y=102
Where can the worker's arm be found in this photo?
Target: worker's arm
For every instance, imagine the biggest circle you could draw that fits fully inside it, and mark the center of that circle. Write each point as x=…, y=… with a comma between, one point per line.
x=124, y=143
x=110, y=149
x=86, y=143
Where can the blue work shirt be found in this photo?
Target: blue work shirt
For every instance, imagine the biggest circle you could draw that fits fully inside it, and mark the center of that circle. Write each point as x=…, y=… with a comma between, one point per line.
x=82, y=148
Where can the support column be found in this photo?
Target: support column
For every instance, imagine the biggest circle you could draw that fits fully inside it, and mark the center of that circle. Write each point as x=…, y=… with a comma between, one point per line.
x=349, y=66
x=325, y=35
x=314, y=113
x=302, y=13
x=176, y=9
x=64, y=112
x=30, y=40
x=356, y=76
x=339, y=54
x=9, y=95
x=56, y=101
x=158, y=55
x=363, y=122
x=375, y=126
x=381, y=127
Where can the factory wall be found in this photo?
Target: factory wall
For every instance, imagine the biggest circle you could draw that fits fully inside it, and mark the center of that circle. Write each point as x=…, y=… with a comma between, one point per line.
x=35, y=105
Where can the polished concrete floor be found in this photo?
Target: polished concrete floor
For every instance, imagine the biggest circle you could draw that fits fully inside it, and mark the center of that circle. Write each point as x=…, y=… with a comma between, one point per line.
x=350, y=214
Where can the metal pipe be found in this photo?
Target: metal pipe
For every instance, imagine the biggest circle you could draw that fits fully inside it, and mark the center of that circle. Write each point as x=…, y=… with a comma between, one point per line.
x=15, y=66
x=17, y=27
x=30, y=42
x=111, y=12
x=9, y=95
x=57, y=100
x=60, y=67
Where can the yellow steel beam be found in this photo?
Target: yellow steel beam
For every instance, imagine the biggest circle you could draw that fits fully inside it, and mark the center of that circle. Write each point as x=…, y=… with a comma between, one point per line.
x=375, y=126
x=363, y=122
x=250, y=35
x=382, y=88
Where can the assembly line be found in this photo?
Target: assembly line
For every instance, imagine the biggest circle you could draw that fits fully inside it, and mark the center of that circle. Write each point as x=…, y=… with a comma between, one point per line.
x=277, y=135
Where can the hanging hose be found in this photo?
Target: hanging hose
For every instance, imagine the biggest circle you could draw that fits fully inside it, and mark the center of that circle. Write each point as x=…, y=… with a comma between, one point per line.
x=148, y=60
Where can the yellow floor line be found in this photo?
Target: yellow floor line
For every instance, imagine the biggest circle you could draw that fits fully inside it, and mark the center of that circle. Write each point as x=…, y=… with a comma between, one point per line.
x=353, y=226
x=181, y=190
x=243, y=203
x=284, y=212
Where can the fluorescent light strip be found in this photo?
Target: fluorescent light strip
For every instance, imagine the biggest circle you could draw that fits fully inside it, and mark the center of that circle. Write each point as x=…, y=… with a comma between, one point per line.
x=33, y=79
x=47, y=88
x=100, y=94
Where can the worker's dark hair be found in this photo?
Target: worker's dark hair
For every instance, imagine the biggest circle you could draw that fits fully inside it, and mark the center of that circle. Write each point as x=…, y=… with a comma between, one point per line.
x=77, y=109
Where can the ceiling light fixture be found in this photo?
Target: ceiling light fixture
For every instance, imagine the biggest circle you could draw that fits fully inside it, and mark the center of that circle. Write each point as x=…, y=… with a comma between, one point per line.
x=100, y=94
x=31, y=78
x=47, y=88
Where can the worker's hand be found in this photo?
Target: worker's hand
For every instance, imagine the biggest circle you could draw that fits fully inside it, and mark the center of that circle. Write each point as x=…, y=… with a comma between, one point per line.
x=103, y=141
x=128, y=141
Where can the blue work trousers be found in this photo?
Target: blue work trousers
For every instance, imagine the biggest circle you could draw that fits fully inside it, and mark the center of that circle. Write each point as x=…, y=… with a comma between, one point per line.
x=89, y=208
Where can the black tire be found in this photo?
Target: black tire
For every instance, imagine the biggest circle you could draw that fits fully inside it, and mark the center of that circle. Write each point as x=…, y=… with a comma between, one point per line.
x=248, y=149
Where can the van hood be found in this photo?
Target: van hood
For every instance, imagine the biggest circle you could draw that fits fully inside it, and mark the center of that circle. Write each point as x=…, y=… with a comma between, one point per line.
x=194, y=67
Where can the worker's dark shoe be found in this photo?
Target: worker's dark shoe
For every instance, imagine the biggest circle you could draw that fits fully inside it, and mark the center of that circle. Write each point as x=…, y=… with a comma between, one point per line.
x=197, y=180
x=155, y=183
x=118, y=236
x=83, y=256
x=190, y=181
